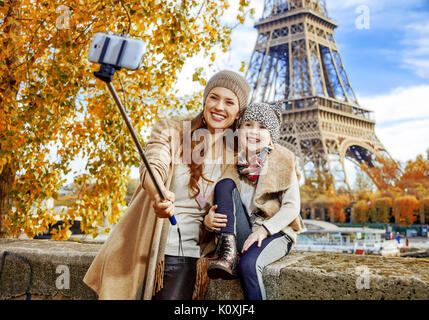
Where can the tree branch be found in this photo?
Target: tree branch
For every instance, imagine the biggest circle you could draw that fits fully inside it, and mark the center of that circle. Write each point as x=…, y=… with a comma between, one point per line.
x=128, y=14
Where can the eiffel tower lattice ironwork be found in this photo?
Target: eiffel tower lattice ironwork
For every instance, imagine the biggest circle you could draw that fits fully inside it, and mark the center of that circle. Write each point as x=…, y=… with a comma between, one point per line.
x=296, y=61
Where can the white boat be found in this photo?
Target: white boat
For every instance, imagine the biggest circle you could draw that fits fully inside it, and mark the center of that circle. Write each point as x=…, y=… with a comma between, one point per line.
x=327, y=237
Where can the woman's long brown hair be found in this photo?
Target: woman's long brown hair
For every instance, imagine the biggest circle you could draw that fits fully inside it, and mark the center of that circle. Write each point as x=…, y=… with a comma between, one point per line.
x=196, y=169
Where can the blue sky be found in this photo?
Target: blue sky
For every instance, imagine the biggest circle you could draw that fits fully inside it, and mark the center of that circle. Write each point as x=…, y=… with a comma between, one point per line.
x=387, y=64
x=393, y=52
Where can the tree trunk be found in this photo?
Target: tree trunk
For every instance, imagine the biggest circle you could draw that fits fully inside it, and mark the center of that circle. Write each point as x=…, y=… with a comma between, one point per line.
x=10, y=87
x=7, y=177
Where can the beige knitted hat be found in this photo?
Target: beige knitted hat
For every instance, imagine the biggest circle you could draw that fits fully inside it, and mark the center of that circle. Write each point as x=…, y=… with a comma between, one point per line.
x=232, y=81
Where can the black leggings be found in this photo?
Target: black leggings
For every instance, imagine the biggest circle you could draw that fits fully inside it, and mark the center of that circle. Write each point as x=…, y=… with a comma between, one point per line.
x=179, y=278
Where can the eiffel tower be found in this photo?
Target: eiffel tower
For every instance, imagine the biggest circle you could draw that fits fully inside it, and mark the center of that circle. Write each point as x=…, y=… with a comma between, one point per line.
x=296, y=61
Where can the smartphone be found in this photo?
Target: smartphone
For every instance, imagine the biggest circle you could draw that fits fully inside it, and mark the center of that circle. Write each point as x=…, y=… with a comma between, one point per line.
x=116, y=50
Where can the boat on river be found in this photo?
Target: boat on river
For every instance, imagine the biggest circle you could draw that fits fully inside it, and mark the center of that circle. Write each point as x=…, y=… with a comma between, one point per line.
x=323, y=236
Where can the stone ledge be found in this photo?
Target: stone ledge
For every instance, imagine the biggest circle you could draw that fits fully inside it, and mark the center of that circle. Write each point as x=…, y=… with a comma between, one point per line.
x=45, y=256
x=326, y=276
x=301, y=275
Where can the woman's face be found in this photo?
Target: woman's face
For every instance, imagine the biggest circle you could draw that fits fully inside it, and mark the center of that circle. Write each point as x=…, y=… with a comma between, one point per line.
x=221, y=108
x=253, y=137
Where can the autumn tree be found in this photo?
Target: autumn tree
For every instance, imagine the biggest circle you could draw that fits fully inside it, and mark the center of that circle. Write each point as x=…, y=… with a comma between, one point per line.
x=386, y=173
x=308, y=193
x=406, y=210
x=314, y=192
x=337, y=208
x=405, y=192
x=360, y=211
x=363, y=186
x=50, y=100
x=424, y=207
x=415, y=179
x=337, y=205
x=383, y=207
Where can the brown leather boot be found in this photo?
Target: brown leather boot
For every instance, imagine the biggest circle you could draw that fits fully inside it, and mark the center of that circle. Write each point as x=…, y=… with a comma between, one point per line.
x=225, y=265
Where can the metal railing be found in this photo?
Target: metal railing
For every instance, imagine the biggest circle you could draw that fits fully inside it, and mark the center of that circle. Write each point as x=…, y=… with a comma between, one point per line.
x=318, y=101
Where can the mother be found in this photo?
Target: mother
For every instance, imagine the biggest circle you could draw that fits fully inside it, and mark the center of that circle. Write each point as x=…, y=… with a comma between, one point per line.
x=142, y=256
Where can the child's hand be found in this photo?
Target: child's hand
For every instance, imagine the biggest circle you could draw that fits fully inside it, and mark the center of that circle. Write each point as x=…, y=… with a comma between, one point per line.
x=260, y=234
x=214, y=221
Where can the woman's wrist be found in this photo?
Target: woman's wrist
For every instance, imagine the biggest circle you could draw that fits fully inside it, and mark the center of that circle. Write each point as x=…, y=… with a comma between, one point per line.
x=150, y=187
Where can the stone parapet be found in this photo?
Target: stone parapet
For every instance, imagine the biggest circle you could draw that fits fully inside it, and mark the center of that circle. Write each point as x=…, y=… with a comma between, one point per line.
x=49, y=269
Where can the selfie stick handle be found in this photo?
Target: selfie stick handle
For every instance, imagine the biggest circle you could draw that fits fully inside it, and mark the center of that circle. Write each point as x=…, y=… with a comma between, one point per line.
x=130, y=128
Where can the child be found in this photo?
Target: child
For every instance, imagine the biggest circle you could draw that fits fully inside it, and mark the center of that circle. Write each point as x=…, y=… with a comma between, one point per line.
x=256, y=204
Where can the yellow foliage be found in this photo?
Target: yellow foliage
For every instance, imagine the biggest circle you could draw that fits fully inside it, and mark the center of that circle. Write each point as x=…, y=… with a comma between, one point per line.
x=360, y=211
x=49, y=98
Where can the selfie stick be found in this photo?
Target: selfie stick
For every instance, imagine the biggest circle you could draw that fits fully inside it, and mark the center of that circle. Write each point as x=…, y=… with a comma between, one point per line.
x=106, y=73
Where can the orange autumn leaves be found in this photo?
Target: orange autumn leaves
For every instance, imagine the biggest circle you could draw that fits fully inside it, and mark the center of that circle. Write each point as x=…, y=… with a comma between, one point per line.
x=404, y=210
x=404, y=198
x=53, y=110
x=407, y=208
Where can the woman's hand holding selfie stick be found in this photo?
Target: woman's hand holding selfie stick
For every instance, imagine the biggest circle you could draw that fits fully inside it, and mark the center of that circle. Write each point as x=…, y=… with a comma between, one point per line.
x=164, y=199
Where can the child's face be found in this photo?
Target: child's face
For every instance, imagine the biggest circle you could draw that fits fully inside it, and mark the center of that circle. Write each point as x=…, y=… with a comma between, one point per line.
x=253, y=137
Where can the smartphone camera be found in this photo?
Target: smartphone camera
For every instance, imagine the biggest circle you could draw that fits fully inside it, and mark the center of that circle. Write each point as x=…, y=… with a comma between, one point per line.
x=117, y=51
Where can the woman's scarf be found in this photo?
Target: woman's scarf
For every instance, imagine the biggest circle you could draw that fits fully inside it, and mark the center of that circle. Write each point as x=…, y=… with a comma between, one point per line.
x=252, y=169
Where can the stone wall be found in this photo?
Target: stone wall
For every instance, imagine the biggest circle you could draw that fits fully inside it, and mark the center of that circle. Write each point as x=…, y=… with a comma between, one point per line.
x=325, y=276
x=47, y=262
x=301, y=275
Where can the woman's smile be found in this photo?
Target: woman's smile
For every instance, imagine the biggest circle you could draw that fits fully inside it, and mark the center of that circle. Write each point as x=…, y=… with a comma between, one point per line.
x=217, y=116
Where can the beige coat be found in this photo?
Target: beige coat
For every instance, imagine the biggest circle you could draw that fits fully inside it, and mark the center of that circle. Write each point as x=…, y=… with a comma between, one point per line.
x=129, y=265
x=125, y=267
